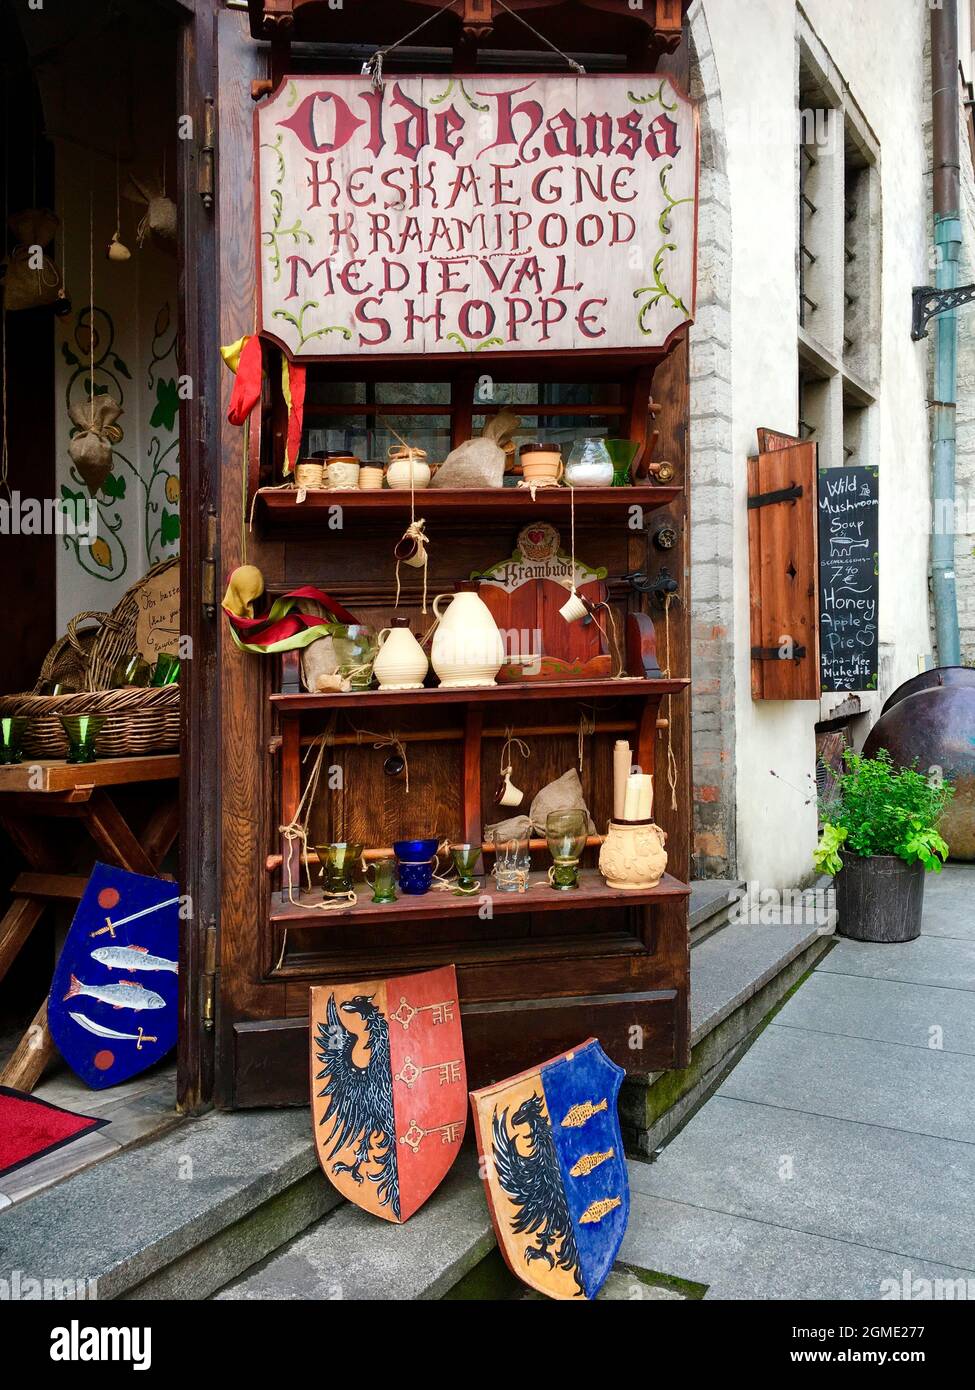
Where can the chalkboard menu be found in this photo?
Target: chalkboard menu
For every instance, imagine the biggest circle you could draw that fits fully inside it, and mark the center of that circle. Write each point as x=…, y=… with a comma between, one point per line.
x=849, y=592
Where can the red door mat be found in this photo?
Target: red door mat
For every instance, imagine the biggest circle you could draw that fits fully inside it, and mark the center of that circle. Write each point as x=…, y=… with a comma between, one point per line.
x=30, y=1128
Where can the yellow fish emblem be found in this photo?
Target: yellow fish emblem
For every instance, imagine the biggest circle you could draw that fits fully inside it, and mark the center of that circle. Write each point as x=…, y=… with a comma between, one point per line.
x=597, y=1210
x=584, y=1166
x=582, y=1112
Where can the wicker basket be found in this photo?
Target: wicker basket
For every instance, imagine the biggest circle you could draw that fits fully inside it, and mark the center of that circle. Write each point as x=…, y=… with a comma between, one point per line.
x=67, y=661
x=137, y=720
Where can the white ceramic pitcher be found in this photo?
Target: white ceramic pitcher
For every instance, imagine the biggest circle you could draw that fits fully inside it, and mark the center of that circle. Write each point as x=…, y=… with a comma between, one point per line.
x=467, y=646
x=402, y=662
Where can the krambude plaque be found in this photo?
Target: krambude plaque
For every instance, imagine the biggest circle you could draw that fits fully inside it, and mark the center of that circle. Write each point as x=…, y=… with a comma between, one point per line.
x=484, y=214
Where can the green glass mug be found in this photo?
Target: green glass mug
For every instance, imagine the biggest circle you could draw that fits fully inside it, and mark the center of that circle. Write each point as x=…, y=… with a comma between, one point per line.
x=383, y=882
x=81, y=731
x=12, y=727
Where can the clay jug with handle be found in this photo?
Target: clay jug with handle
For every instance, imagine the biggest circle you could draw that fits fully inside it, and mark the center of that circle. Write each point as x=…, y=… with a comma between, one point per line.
x=467, y=645
x=402, y=662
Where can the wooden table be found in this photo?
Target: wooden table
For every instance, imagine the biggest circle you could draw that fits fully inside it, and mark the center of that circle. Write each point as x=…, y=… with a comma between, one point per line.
x=33, y=794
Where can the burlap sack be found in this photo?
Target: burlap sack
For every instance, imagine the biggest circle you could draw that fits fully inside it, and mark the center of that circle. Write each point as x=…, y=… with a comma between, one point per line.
x=479, y=462
x=91, y=448
x=564, y=794
x=26, y=287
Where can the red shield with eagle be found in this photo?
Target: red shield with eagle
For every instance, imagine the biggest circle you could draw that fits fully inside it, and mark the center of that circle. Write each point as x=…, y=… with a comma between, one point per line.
x=388, y=1088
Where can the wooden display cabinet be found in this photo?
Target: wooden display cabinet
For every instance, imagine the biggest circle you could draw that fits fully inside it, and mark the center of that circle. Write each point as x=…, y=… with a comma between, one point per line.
x=549, y=969
x=537, y=971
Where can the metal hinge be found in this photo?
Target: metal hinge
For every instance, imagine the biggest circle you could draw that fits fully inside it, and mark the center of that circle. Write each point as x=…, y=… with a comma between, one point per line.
x=776, y=654
x=208, y=974
x=207, y=154
x=208, y=587
x=784, y=494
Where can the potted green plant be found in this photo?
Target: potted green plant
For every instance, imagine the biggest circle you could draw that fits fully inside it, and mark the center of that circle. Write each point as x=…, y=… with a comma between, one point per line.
x=880, y=836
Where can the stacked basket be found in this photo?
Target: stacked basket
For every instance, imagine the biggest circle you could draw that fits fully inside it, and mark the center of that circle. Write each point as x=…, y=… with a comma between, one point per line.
x=137, y=719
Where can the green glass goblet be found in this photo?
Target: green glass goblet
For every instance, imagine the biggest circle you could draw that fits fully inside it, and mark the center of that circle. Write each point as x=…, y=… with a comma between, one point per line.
x=465, y=859
x=339, y=861
x=81, y=731
x=12, y=728
x=166, y=670
x=566, y=832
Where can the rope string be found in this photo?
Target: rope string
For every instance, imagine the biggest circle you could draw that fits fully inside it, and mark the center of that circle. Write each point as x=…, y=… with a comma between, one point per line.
x=373, y=67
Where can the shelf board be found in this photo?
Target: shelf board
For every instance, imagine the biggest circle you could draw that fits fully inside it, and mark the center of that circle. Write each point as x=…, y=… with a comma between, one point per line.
x=625, y=686
x=593, y=893
x=278, y=509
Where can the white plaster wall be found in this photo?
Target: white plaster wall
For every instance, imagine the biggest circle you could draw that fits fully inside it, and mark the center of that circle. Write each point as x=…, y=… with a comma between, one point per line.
x=877, y=46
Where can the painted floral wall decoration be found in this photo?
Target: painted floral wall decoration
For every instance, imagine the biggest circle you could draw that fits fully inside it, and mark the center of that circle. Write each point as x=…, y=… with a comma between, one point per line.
x=97, y=367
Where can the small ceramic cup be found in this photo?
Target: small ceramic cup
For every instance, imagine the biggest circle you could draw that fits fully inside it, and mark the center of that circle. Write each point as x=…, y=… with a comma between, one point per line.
x=574, y=608
x=507, y=793
x=342, y=474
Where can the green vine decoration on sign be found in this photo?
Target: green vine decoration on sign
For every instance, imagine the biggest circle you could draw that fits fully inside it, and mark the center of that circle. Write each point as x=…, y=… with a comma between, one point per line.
x=663, y=226
x=658, y=290
x=298, y=322
x=297, y=233
x=474, y=105
x=277, y=152
x=657, y=96
x=465, y=346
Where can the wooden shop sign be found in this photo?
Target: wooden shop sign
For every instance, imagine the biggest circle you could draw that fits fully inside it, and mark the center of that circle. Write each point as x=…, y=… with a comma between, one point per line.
x=488, y=214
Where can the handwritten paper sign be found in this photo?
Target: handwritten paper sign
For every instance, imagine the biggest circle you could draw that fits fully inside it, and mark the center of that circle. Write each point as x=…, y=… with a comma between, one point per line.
x=157, y=625
x=483, y=214
x=848, y=578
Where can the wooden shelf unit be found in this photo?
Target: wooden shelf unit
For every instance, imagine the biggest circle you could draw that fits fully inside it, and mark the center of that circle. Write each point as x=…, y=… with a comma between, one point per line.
x=279, y=513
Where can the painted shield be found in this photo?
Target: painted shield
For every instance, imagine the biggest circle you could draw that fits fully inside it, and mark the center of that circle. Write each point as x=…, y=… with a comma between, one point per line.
x=554, y=1170
x=113, y=1008
x=388, y=1088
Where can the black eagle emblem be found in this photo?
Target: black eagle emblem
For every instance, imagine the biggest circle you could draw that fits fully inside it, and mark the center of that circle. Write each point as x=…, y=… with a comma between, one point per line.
x=534, y=1183
x=360, y=1099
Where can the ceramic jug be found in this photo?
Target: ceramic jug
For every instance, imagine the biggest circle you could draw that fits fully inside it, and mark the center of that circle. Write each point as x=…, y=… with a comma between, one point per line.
x=467, y=645
x=402, y=662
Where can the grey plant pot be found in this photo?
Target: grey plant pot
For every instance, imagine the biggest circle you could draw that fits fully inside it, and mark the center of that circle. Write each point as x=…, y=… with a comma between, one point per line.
x=879, y=898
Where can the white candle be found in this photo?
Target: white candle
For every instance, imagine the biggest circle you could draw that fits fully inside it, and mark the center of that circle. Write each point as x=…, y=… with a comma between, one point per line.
x=621, y=771
x=645, y=798
x=631, y=801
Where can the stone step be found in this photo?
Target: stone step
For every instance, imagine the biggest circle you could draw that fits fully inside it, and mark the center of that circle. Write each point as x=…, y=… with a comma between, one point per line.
x=739, y=976
x=352, y=1255
x=177, y=1217
x=710, y=903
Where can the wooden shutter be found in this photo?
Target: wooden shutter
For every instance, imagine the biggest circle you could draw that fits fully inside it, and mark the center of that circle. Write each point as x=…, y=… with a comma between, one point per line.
x=783, y=572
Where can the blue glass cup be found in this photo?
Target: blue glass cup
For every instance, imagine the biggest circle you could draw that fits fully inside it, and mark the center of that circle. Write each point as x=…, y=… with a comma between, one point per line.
x=416, y=861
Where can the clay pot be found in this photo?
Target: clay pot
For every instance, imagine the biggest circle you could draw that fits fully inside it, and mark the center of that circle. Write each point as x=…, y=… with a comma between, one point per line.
x=541, y=463
x=633, y=855
x=342, y=473
x=398, y=474
x=371, y=477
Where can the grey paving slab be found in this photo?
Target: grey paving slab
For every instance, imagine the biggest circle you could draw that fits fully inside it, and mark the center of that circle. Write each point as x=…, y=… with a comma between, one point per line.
x=352, y=1255
x=887, y=1010
x=878, y=1083
x=903, y=1193
x=119, y=1221
x=930, y=960
x=731, y=966
x=55, y=1167
x=741, y=1258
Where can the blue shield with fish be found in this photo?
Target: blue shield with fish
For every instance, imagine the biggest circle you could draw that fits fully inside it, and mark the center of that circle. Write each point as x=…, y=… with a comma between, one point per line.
x=113, y=1008
x=551, y=1157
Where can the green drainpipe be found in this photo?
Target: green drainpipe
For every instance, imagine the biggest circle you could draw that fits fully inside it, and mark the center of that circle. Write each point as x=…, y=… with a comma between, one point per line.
x=947, y=240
